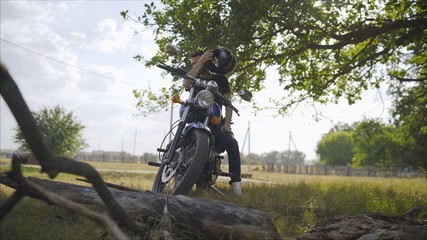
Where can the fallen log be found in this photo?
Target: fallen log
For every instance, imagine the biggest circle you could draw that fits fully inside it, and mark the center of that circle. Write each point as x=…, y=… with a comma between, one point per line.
x=199, y=217
x=368, y=226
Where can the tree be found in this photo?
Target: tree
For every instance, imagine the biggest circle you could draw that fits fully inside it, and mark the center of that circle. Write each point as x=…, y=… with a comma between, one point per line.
x=339, y=127
x=272, y=157
x=61, y=130
x=150, y=157
x=292, y=158
x=251, y=158
x=336, y=148
x=323, y=50
x=409, y=113
x=377, y=144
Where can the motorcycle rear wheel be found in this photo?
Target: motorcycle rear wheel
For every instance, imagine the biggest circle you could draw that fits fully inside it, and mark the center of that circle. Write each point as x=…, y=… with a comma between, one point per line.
x=184, y=171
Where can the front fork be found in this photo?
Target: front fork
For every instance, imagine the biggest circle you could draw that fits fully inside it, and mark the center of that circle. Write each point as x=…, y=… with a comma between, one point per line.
x=181, y=132
x=170, y=154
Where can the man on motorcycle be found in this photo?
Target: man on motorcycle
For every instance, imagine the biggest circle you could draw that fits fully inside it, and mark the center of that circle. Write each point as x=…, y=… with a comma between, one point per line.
x=222, y=132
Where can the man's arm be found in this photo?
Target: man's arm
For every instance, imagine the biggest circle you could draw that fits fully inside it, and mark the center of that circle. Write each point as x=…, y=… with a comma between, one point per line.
x=197, y=67
x=228, y=115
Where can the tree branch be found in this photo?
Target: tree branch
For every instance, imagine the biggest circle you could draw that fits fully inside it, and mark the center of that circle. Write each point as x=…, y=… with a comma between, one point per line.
x=180, y=215
x=401, y=79
x=366, y=32
x=54, y=165
x=31, y=189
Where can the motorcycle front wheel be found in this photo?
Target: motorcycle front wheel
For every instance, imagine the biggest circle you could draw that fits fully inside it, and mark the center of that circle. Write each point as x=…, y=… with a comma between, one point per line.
x=182, y=173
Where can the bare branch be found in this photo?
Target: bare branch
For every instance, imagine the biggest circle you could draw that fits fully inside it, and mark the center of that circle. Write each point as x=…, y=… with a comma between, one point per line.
x=401, y=79
x=211, y=219
x=54, y=165
x=366, y=32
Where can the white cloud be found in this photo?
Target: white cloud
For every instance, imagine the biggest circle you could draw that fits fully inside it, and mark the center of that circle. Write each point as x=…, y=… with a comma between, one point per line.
x=108, y=26
x=90, y=35
x=35, y=45
x=112, y=39
x=34, y=11
x=100, y=78
x=77, y=36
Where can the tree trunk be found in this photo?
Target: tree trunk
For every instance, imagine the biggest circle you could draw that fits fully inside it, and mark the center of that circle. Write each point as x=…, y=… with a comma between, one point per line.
x=200, y=217
x=368, y=227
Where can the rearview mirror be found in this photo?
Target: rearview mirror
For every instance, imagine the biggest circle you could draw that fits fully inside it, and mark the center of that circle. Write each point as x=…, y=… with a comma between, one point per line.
x=245, y=95
x=172, y=50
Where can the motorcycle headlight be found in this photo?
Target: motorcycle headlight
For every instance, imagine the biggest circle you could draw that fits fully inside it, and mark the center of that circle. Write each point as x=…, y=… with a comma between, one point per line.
x=205, y=99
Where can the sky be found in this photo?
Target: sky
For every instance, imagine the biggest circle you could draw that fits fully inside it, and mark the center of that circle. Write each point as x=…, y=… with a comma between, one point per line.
x=79, y=55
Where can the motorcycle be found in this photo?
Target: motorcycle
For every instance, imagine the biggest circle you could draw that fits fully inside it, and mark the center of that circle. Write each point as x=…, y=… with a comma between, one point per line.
x=192, y=157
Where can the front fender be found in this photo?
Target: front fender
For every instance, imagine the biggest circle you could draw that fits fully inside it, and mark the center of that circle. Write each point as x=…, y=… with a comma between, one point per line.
x=198, y=125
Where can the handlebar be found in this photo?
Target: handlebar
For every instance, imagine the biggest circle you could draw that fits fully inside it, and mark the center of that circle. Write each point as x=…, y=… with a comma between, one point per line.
x=165, y=67
x=168, y=68
x=183, y=74
x=174, y=71
x=226, y=102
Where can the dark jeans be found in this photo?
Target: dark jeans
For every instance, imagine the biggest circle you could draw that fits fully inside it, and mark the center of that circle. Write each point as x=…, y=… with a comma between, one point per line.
x=227, y=141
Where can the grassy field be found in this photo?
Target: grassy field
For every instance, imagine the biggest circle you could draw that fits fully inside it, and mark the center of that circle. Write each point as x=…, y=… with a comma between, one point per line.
x=297, y=202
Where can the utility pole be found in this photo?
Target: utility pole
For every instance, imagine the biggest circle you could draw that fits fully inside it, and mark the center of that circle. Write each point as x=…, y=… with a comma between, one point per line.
x=288, y=159
x=134, y=144
x=249, y=145
x=121, y=153
x=247, y=136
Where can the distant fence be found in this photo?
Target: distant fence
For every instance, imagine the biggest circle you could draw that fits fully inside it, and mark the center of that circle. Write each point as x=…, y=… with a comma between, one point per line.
x=116, y=157
x=318, y=169
x=108, y=157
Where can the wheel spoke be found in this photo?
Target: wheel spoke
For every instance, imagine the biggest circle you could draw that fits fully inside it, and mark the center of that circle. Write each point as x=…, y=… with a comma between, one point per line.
x=175, y=178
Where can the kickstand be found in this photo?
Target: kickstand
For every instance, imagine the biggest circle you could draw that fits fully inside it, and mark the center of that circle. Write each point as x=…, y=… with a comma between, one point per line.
x=216, y=189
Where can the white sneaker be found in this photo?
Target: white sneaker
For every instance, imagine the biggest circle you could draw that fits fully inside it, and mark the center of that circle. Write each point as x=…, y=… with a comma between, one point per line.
x=235, y=187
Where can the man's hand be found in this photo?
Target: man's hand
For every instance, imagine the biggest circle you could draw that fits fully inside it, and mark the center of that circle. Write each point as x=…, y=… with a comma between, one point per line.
x=206, y=56
x=199, y=63
x=226, y=127
x=186, y=84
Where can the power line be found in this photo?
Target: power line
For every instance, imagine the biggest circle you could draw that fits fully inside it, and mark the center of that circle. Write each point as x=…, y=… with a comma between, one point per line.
x=62, y=62
x=56, y=60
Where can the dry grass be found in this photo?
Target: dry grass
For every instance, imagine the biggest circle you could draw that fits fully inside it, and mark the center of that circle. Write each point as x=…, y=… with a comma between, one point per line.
x=297, y=202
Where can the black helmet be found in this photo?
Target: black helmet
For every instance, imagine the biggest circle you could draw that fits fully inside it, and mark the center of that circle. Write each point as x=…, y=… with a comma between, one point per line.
x=226, y=61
